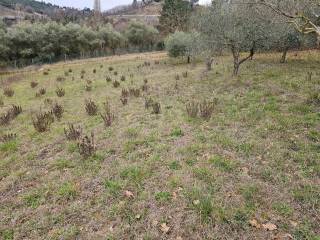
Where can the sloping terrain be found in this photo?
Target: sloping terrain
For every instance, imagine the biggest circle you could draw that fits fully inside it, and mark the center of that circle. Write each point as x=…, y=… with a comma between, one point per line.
x=148, y=14
x=37, y=6
x=8, y=12
x=251, y=171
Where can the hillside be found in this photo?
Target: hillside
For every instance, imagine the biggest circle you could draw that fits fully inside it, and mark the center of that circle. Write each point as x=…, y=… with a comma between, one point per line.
x=9, y=12
x=36, y=9
x=29, y=5
x=244, y=164
x=153, y=8
x=122, y=15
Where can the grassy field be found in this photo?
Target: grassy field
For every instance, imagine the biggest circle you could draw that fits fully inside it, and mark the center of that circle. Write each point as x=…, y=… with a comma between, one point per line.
x=250, y=172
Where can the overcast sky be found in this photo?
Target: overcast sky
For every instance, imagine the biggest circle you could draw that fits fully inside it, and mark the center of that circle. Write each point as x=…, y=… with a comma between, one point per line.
x=106, y=4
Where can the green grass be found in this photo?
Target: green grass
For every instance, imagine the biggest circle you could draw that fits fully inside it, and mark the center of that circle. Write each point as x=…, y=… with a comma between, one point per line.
x=176, y=132
x=9, y=147
x=283, y=209
x=256, y=158
x=113, y=187
x=222, y=163
x=33, y=200
x=67, y=191
x=162, y=196
x=7, y=234
x=175, y=165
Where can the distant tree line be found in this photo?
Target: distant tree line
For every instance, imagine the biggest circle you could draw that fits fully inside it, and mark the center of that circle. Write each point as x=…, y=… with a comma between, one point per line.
x=46, y=42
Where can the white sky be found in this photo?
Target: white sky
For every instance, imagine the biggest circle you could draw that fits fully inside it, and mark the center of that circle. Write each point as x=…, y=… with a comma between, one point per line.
x=106, y=4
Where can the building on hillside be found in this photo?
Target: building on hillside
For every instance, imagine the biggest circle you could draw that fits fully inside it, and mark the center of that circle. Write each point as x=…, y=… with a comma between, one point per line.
x=10, y=20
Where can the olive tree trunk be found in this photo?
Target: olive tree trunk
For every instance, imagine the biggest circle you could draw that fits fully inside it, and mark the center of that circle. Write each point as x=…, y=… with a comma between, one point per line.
x=284, y=55
x=237, y=61
x=209, y=62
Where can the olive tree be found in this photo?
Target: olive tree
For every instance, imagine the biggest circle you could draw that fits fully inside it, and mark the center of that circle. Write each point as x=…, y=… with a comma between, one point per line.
x=141, y=35
x=181, y=44
x=111, y=38
x=303, y=15
x=282, y=37
x=292, y=24
x=4, y=47
x=232, y=25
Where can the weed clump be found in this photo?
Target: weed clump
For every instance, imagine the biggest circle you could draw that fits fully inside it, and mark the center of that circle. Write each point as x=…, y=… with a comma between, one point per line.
x=8, y=137
x=148, y=102
x=145, y=86
x=116, y=84
x=58, y=111
x=88, y=87
x=48, y=101
x=9, y=92
x=314, y=97
x=15, y=111
x=111, y=69
x=206, y=109
x=60, y=92
x=108, y=79
x=108, y=117
x=91, y=107
x=134, y=92
x=10, y=115
x=60, y=79
x=86, y=146
x=146, y=64
x=42, y=91
x=33, y=84
x=185, y=74
x=156, y=108
x=123, y=78
x=42, y=121
x=124, y=100
x=192, y=109
x=5, y=118
x=203, y=109
x=124, y=93
x=309, y=76
x=73, y=132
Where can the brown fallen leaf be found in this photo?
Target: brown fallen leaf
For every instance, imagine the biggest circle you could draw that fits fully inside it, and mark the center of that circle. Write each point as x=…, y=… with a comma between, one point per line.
x=254, y=223
x=293, y=223
x=174, y=195
x=269, y=226
x=154, y=223
x=287, y=236
x=128, y=194
x=245, y=170
x=196, y=202
x=164, y=228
